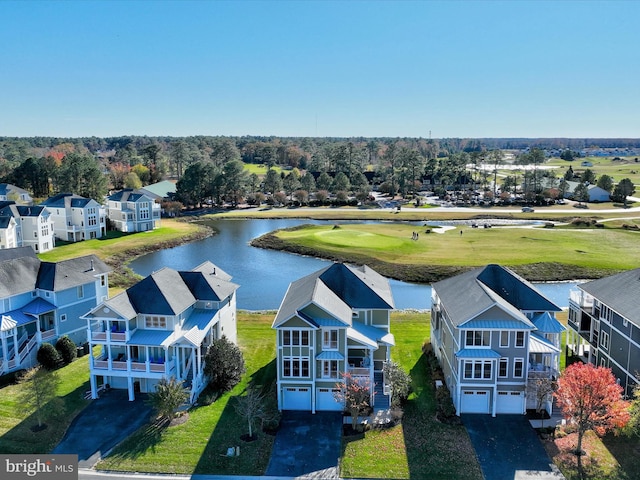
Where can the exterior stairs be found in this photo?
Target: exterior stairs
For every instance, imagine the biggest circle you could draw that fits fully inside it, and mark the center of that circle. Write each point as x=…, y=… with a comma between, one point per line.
x=381, y=401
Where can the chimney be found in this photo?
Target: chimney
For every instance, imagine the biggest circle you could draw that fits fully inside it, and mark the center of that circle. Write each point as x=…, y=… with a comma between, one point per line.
x=92, y=269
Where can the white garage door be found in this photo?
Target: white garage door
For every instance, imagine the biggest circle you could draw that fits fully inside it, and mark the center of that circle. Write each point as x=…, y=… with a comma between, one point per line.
x=510, y=402
x=326, y=401
x=474, y=401
x=296, y=398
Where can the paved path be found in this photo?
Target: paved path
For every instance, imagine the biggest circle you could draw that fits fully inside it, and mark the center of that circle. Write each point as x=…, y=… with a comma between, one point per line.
x=509, y=449
x=102, y=425
x=307, y=445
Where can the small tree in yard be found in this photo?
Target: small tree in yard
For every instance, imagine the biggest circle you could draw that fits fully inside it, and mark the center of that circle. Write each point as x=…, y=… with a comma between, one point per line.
x=224, y=365
x=39, y=393
x=633, y=427
x=399, y=380
x=67, y=349
x=48, y=356
x=356, y=396
x=251, y=407
x=544, y=389
x=590, y=398
x=167, y=397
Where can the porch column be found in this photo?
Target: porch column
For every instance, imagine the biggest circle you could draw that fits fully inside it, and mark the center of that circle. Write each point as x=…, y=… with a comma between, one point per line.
x=146, y=361
x=132, y=396
x=94, y=386
x=177, y=355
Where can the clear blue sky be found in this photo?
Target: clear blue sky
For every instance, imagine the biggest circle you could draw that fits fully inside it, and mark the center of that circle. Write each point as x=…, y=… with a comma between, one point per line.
x=304, y=68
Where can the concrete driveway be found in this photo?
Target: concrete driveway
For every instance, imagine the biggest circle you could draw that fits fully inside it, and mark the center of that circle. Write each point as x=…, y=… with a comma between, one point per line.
x=102, y=425
x=508, y=448
x=307, y=445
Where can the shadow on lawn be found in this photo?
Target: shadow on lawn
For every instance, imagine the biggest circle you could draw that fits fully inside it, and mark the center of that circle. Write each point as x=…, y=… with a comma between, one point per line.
x=57, y=415
x=254, y=455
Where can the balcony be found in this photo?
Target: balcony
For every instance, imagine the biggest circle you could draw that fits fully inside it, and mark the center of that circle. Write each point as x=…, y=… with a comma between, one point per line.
x=165, y=368
x=542, y=371
x=582, y=299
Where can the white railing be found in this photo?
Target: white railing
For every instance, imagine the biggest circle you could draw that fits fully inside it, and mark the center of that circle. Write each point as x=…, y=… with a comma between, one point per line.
x=98, y=335
x=48, y=334
x=25, y=351
x=359, y=372
x=118, y=336
x=581, y=299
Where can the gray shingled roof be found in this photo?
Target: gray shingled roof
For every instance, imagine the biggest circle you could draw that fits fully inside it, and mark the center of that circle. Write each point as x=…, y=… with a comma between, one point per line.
x=63, y=200
x=161, y=293
x=337, y=289
x=619, y=292
x=70, y=273
x=18, y=252
x=18, y=275
x=467, y=295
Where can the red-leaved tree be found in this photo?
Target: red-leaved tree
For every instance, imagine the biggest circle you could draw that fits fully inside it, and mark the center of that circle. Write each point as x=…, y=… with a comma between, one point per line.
x=355, y=394
x=590, y=398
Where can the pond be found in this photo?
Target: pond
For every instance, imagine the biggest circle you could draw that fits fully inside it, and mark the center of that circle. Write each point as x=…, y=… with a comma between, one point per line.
x=264, y=275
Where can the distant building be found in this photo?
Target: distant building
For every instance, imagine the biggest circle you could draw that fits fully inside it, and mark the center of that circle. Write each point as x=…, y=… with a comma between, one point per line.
x=76, y=218
x=129, y=211
x=160, y=191
x=33, y=226
x=10, y=193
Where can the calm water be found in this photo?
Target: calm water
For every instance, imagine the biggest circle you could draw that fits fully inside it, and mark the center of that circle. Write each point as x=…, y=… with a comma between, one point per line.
x=264, y=275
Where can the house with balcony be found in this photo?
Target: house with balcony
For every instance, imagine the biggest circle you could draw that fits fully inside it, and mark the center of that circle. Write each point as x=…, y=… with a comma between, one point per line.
x=42, y=301
x=604, y=325
x=8, y=232
x=494, y=334
x=33, y=225
x=76, y=218
x=333, y=321
x=161, y=327
x=131, y=211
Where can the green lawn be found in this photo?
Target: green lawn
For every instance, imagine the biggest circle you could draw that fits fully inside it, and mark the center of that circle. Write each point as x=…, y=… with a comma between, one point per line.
x=16, y=435
x=626, y=167
x=389, y=248
x=115, y=243
x=261, y=169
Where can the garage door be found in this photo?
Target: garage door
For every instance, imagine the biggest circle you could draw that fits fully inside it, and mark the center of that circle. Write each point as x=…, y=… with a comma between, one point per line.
x=326, y=401
x=296, y=398
x=510, y=402
x=474, y=401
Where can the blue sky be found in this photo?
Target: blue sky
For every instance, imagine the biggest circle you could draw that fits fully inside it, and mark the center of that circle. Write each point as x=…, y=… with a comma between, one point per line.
x=305, y=68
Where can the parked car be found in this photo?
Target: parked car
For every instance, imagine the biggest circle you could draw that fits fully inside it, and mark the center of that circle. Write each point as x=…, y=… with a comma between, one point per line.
x=528, y=209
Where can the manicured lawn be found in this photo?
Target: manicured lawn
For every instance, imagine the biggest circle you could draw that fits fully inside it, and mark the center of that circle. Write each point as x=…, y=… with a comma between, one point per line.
x=421, y=447
x=261, y=169
x=389, y=248
x=16, y=435
x=198, y=446
x=115, y=243
x=626, y=167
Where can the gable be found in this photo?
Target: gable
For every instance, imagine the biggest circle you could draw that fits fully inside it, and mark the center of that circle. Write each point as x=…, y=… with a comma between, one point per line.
x=295, y=322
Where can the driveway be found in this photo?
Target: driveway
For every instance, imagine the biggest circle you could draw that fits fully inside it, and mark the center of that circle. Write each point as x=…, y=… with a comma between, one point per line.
x=508, y=448
x=307, y=445
x=102, y=425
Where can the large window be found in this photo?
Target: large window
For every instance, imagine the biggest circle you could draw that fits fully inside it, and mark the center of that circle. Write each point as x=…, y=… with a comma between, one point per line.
x=295, y=338
x=295, y=367
x=504, y=338
x=330, y=339
x=330, y=369
x=503, y=368
x=518, y=367
x=477, y=369
x=478, y=338
x=604, y=340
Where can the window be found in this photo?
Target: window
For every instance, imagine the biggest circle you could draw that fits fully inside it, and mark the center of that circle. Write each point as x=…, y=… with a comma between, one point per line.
x=155, y=322
x=519, y=339
x=503, y=368
x=504, y=339
x=603, y=361
x=295, y=367
x=518, y=367
x=80, y=291
x=295, y=338
x=330, y=339
x=103, y=280
x=604, y=340
x=330, y=369
x=63, y=317
x=477, y=338
x=477, y=369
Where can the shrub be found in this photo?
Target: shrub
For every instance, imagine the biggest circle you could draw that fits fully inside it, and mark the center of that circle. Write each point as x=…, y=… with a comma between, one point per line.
x=67, y=349
x=167, y=397
x=49, y=357
x=224, y=365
